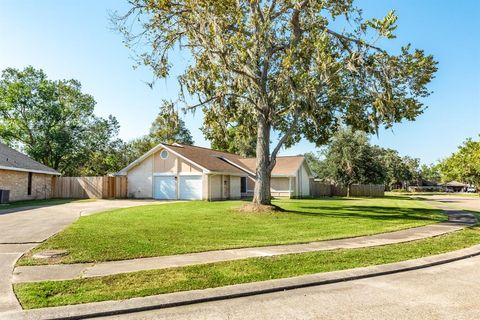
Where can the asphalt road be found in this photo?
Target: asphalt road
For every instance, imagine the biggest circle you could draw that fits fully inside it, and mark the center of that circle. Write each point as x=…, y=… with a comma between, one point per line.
x=459, y=201
x=450, y=291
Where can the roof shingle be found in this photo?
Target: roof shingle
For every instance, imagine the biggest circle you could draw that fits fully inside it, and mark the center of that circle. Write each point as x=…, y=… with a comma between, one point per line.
x=11, y=159
x=218, y=161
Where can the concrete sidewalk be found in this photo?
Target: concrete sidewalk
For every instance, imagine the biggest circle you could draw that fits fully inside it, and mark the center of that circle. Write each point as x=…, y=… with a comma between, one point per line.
x=457, y=220
x=128, y=307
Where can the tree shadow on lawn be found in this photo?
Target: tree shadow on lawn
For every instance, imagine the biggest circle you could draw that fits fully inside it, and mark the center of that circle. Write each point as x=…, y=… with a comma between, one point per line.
x=369, y=212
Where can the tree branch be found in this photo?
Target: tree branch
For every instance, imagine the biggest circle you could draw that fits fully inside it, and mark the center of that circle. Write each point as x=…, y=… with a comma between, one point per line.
x=273, y=156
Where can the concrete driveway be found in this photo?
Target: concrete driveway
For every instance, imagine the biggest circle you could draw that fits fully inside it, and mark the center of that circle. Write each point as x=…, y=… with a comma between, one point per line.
x=459, y=201
x=24, y=228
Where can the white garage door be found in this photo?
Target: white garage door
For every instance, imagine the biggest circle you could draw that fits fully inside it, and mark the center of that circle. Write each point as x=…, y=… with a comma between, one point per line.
x=191, y=187
x=165, y=188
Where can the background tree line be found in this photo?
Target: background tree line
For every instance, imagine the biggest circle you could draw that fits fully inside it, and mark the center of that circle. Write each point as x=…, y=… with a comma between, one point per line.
x=350, y=158
x=53, y=122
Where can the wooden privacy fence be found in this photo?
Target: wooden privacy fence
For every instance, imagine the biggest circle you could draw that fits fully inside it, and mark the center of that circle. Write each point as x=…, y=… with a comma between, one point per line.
x=89, y=187
x=319, y=189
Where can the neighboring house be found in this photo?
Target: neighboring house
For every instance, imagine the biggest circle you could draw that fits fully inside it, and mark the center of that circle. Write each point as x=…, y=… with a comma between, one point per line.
x=188, y=172
x=425, y=185
x=456, y=186
x=24, y=177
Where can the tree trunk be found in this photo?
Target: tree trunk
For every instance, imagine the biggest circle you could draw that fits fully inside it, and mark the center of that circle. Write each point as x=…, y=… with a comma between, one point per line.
x=349, y=186
x=263, y=171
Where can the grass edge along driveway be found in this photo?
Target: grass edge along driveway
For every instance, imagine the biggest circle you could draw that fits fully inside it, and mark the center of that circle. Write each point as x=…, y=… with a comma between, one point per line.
x=153, y=282
x=23, y=204
x=177, y=228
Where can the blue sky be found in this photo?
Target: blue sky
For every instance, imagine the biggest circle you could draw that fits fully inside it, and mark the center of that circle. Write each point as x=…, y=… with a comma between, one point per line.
x=73, y=39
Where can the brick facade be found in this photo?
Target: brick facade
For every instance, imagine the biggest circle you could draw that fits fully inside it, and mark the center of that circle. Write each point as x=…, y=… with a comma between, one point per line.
x=17, y=183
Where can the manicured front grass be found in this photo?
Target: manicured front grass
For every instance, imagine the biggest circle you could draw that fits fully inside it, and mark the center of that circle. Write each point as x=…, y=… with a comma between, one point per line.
x=145, y=283
x=196, y=226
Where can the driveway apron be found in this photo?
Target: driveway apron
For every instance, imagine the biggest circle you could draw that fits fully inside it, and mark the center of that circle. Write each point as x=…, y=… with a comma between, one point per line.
x=24, y=228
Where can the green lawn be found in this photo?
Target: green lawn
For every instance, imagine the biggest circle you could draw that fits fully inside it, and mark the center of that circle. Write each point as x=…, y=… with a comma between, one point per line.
x=38, y=203
x=196, y=226
x=145, y=283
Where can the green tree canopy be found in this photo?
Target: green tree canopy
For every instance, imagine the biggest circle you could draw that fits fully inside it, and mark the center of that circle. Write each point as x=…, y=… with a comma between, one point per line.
x=52, y=120
x=349, y=158
x=233, y=140
x=397, y=170
x=169, y=128
x=463, y=165
x=282, y=64
x=431, y=172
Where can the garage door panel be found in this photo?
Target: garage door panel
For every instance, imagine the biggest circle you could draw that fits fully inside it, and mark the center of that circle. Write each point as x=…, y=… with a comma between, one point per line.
x=165, y=188
x=191, y=187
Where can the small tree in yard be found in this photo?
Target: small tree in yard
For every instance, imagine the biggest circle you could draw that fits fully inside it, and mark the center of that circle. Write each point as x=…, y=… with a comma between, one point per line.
x=349, y=159
x=282, y=64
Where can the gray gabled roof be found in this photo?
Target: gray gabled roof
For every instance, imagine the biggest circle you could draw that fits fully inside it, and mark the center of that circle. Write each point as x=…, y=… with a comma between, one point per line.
x=455, y=184
x=11, y=159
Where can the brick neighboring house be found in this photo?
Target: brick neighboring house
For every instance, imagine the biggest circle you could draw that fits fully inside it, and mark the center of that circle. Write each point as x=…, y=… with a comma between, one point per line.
x=26, y=178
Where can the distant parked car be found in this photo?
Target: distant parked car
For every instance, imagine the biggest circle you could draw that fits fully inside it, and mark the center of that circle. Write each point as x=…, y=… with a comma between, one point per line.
x=471, y=190
x=448, y=190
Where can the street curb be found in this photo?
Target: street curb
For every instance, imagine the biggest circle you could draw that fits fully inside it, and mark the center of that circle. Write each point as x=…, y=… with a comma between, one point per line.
x=112, y=308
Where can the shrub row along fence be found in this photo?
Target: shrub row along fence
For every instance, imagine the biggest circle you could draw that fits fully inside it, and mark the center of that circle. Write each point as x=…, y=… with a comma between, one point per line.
x=319, y=189
x=89, y=187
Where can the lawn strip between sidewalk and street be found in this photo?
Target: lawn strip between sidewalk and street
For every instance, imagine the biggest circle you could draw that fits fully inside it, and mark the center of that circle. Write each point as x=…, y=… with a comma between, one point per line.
x=154, y=282
x=197, y=226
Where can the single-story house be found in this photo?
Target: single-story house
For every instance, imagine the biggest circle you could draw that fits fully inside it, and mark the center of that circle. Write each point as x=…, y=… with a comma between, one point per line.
x=456, y=186
x=195, y=173
x=425, y=185
x=26, y=178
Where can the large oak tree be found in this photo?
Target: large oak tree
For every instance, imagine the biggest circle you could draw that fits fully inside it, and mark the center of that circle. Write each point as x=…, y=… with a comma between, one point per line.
x=295, y=67
x=53, y=122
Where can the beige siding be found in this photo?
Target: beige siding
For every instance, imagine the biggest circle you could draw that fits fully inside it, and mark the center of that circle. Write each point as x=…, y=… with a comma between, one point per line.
x=250, y=184
x=172, y=164
x=304, y=182
x=279, y=187
x=164, y=165
x=279, y=184
x=235, y=187
x=140, y=180
x=215, y=187
x=17, y=183
x=206, y=187
x=186, y=167
x=225, y=187
x=293, y=186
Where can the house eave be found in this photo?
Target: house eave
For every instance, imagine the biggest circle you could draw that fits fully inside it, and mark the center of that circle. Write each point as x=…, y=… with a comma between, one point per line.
x=30, y=170
x=159, y=146
x=283, y=175
x=236, y=174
